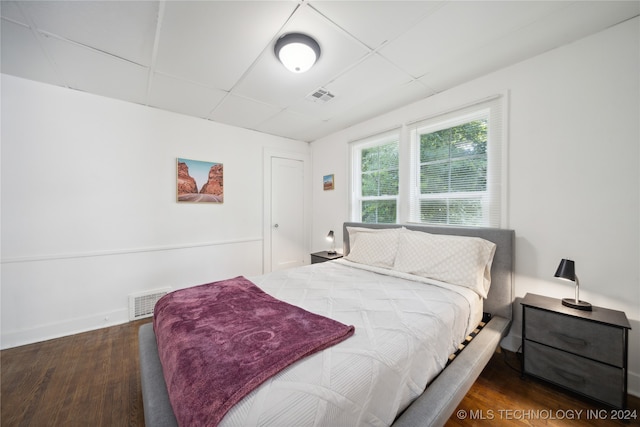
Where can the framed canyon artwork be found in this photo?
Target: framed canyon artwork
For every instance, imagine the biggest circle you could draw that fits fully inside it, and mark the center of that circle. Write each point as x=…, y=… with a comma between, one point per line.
x=199, y=182
x=327, y=182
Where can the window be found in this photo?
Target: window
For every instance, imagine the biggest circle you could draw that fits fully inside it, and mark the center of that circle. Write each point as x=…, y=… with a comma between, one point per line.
x=452, y=165
x=444, y=170
x=375, y=180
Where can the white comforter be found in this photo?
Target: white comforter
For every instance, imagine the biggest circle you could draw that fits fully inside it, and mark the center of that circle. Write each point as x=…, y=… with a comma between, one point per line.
x=405, y=331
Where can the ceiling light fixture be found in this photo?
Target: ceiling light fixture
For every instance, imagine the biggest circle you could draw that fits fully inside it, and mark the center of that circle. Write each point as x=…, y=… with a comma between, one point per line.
x=297, y=52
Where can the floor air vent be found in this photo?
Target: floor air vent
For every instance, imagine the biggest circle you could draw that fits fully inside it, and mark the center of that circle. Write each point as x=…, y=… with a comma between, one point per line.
x=141, y=304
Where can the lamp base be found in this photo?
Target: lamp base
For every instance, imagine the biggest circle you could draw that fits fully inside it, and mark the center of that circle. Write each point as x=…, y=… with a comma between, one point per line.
x=332, y=253
x=580, y=305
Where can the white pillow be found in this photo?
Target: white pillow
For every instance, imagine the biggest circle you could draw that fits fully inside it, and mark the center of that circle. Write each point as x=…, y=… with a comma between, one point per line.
x=458, y=260
x=370, y=246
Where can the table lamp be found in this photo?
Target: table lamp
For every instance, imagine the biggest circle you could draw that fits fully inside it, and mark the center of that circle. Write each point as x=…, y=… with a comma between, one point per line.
x=332, y=239
x=567, y=271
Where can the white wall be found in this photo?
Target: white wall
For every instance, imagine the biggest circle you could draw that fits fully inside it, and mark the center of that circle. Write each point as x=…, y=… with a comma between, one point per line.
x=89, y=213
x=574, y=162
x=88, y=190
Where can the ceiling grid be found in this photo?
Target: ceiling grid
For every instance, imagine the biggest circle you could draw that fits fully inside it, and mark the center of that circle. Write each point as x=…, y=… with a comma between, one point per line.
x=215, y=60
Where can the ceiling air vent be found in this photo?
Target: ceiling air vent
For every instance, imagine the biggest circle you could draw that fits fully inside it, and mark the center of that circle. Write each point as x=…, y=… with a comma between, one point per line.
x=321, y=95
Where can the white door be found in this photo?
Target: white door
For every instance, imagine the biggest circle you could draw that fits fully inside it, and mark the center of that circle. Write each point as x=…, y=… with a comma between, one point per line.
x=287, y=213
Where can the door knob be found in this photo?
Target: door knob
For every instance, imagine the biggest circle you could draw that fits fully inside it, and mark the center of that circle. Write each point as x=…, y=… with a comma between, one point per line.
x=276, y=226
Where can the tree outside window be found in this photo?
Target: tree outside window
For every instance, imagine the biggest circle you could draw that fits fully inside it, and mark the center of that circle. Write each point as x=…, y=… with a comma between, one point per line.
x=453, y=174
x=378, y=195
x=454, y=169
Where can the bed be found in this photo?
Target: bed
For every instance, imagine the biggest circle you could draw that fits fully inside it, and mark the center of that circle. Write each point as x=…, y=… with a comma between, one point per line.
x=401, y=399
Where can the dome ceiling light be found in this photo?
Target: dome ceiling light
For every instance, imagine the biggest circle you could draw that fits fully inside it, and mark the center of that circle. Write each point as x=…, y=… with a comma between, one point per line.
x=297, y=52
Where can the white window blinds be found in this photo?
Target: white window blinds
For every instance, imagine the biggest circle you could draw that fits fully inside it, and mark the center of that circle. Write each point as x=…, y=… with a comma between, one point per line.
x=446, y=169
x=457, y=167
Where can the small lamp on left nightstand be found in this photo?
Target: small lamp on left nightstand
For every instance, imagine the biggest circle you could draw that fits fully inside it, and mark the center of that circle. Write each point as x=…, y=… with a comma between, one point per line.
x=331, y=237
x=567, y=271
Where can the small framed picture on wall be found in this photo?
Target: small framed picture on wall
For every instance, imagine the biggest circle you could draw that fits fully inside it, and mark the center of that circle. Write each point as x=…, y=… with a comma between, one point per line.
x=328, y=182
x=200, y=182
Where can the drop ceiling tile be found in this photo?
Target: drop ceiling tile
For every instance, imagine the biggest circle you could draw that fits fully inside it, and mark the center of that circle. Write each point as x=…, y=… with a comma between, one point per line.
x=355, y=87
x=121, y=28
x=371, y=76
x=96, y=72
x=210, y=48
x=215, y=42
x=313, y=133
x=388, y=100
x=594, y=16
x=320, y=109
x=23, y=56
x=546, y=33
x=375, y=22
x=290, y=124
x=396, y=97
x=183, y=97
x=243, y=112
x=443, y=78
x=269, y=82
x=11, y=11
x=461, y=27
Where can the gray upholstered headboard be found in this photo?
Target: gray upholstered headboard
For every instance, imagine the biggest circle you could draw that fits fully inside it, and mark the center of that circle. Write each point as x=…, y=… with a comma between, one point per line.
x=500, y=298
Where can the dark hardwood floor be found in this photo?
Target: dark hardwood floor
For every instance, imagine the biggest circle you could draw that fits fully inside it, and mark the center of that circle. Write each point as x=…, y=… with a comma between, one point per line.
x=501, y=397
x=92, y=379
x=88, y=379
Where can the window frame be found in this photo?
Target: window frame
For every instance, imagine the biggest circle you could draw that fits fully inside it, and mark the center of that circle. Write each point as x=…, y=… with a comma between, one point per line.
x=356, y=149
x=417, y=197
x=408, y=198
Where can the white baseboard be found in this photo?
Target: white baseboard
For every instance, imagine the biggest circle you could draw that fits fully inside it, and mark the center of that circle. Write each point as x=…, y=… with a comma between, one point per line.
x=61, y=329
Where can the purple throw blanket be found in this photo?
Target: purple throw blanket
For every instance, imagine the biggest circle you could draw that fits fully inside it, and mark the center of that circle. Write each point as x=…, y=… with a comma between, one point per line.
x=217, y=342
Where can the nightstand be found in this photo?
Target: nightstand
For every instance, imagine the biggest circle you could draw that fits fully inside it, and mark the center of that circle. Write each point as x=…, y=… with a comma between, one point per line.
x=323, y=257
x=583, y=351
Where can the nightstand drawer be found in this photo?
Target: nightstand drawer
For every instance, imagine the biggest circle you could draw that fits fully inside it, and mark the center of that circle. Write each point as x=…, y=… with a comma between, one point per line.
x=593, y=379
x=596, y=341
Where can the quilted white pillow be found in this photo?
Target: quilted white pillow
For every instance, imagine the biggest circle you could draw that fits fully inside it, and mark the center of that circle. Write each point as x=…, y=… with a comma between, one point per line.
x=458, y=260
x=370, y=246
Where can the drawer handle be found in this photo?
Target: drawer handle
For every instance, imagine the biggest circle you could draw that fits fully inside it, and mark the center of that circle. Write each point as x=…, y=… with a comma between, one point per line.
x=570, y=340
x=574, y=378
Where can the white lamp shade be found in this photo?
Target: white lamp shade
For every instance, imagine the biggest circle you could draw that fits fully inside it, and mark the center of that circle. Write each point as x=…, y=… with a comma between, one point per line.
x=297, y=52
x=297, y=57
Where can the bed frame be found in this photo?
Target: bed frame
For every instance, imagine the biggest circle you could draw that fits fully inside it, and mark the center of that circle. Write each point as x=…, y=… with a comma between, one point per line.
x=435, y=406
